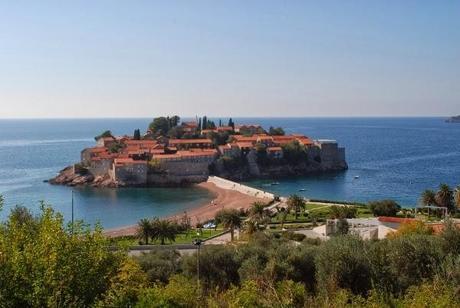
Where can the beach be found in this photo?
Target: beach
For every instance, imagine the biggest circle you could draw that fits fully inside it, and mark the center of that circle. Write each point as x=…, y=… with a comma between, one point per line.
x=225, y=198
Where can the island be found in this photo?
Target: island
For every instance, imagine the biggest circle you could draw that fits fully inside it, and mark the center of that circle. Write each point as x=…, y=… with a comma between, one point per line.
x=454, y=119
x=175, y=153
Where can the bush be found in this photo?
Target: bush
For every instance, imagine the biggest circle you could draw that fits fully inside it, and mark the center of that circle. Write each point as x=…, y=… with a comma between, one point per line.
x=298, y=237
x=159, y=265
x=384, y=208
x=341, y=263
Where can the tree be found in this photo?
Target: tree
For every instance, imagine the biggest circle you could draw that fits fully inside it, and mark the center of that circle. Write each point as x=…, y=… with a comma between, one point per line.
x=144, y=230
x=259, y=215
x=341, y=263
x=342, y=226
x=278, y=131
x=296, y=203
x=230, y=219
x=43, y=263
x=160, y=126
x=137, y=134
x=444, y=197
x=342, y=212
x=105, y=134
x=159, y=264
x=428, y=198
x=294, y=152
x=163, y=229
x=230, y=123
x=218, y=266
x=204, y=124
x=384, y=208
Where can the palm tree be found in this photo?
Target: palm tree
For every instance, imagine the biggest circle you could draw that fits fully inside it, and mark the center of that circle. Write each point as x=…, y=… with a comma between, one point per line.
x=428, y=198
x=296, y=203
x=163, y=230
x=259, y=214
x=144, y=230
x=230, y=219
x=282, y=212
x=444, y=197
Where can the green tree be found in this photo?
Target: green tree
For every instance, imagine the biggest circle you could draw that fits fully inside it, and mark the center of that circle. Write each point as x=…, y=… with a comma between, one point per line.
x=428, y=198
x=44, y=264
x=105, y=134
x=231, y=123
x=125, y=286
x=294, y=152
x=218, y=267
x=259, y=215
x=278, y=131
x=164, y=230
x=144, y=230
x=137, y=134
x=342, y=212
x=296, y=203
x=204, y=124
x=159, y=264
x=384, y=208
x=444, y=197
x=341, y=263
x=230, y=219
x=160, y=126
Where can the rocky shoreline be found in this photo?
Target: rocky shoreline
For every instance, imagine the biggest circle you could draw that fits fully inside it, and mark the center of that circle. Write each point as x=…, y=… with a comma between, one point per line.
x=69, y=177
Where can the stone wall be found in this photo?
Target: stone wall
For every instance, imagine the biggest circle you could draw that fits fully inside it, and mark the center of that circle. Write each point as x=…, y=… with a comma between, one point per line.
x=130, y=174
x=100, y=167
x=182, y=171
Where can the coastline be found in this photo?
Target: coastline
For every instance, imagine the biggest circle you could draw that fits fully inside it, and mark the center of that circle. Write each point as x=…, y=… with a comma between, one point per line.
x=223, y=198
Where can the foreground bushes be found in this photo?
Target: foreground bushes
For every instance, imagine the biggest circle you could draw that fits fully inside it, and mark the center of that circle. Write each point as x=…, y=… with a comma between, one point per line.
x=44, y=263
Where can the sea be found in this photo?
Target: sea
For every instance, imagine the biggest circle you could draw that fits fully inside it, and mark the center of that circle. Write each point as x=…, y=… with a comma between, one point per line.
x=388, y=158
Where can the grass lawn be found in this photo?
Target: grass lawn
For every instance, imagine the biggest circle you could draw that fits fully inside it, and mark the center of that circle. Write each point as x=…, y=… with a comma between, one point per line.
x=181, y=238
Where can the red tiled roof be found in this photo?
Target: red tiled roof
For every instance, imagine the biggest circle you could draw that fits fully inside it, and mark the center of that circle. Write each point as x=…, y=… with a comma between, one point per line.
x=189, y=141
x=274, y=149
x=244, y=144
x=128, y=161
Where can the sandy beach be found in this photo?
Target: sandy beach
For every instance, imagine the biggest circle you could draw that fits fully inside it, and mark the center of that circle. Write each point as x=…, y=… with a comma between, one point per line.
x=224, y=198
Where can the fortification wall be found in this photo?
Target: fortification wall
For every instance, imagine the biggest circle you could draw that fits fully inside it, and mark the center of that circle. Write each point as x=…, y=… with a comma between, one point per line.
x=131, y=174
x=100, y=167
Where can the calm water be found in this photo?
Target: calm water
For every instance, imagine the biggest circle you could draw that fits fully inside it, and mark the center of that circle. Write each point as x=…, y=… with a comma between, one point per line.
x=393, y=157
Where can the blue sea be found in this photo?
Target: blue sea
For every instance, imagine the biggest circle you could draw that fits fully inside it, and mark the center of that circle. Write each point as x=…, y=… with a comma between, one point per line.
x=394, y=158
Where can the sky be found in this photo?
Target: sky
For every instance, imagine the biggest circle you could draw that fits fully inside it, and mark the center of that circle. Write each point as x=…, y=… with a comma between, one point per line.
x=69, y=59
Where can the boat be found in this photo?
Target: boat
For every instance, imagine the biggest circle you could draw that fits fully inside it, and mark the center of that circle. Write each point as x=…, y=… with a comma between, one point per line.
x=356, y=176
x=275, y=183
x=302, y=189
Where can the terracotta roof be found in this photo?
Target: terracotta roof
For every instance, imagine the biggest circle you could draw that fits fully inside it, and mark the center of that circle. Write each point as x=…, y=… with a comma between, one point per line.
x=128, y=161
x=224, y=128
x=189, y=141
x=186, y=154
x=244, y=144
x=245, y=138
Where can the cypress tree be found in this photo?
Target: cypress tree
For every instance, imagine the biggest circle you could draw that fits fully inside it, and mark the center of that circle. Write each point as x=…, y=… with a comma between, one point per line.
x=137, y=134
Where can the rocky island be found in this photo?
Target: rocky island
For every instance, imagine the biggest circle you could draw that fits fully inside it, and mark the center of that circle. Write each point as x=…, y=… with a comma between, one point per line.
x=455, y=119
x=173, y=153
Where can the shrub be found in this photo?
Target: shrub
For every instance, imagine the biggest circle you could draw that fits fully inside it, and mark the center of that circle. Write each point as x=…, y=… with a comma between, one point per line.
x=384, y=208
x=341, y=263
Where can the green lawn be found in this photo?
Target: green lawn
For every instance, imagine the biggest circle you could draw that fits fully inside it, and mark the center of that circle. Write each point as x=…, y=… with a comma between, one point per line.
x=182, y=238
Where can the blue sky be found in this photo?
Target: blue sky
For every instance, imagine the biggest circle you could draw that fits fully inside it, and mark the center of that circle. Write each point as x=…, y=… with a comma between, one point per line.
x=229, y=58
